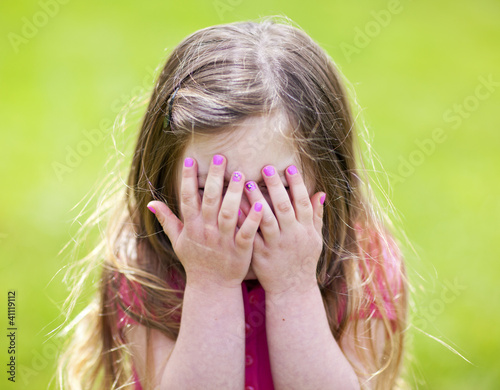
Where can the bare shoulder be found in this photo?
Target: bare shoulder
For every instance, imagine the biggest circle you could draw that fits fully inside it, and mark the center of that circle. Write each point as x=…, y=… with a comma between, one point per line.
x=161, y=347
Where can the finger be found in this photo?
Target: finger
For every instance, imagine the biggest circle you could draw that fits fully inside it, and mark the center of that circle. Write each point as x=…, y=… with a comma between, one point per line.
x=282, y=204
x=245, y=236
x=301, y=202
x=241, y=217
x=245, y=205
x=269, y=226
x=317, y=202
x=172, y=226
x=210, y=205
x=228, y=215
x=190, y=198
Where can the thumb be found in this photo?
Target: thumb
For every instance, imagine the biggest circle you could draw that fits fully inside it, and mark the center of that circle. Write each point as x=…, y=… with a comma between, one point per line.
x=168, y=220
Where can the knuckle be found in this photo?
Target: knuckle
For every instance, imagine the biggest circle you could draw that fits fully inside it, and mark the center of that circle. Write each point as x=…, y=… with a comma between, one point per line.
x=304, y=202
x=186, y=173
x=210, y=233
x=209, y=199
x=185, y=197
x=225, y=215
x=267, y=220
x=284, y=206
x=235, y=187
x=273, y=181
x=245, y=236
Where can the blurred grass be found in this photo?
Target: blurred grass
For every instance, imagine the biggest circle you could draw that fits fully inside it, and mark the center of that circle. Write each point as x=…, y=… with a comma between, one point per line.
x=68, y=77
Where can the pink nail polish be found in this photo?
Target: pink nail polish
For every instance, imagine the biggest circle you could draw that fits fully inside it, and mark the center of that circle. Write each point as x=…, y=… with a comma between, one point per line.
x=218, y=159
x=269, y=171
x=258, y=206
x=236, y=176
x=152, y=209
x=292, y=170
x=251, y=186
x=322, y=199
x=188, y=162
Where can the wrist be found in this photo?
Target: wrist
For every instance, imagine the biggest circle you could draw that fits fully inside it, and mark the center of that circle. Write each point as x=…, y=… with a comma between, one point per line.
x=293, y=292
x=211, y=285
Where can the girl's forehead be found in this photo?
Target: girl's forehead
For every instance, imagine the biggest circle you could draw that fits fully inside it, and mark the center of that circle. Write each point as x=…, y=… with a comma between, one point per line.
x=256, y=137
x=243, y=155
x=246, y=144
x=255, y=131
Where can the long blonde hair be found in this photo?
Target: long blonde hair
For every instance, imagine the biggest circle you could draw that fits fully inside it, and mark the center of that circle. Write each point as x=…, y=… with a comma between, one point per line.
x=225, y=74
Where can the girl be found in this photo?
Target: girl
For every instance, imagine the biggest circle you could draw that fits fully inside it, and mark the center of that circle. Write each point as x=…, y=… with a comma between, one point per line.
x=248, y=250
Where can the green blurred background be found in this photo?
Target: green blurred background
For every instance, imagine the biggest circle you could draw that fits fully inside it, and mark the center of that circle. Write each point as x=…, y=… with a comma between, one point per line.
x=426, y=75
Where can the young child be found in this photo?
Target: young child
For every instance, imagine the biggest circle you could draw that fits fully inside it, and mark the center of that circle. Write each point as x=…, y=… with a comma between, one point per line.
x=263, y=261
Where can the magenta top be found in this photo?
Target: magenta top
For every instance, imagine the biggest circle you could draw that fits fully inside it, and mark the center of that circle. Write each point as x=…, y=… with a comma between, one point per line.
x=257, y=365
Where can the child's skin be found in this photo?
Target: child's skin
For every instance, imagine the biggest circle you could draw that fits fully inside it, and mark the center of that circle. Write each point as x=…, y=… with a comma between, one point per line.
x=276, y=152
x=210, y=348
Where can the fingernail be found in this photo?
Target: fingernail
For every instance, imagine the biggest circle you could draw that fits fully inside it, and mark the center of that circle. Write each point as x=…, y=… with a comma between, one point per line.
x=269, y=170
x=152, y=209
x=258, y=206
x=239, y=212
x=292, y=170
x=322, y=199
x=251, y=186
x=236, y=176
x=188, y=162
x=218, y=159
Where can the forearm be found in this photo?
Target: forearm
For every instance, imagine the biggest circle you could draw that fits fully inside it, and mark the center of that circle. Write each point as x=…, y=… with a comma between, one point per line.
x=210, y=350
x=302, y=350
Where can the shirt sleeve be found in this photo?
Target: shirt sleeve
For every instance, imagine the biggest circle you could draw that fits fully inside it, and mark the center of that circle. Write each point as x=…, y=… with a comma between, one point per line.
x=381, y=254
x=130, y=297
x=128, y=300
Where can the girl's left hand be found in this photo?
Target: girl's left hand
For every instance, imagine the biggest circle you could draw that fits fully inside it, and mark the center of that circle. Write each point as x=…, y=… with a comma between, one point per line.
x=286, y=256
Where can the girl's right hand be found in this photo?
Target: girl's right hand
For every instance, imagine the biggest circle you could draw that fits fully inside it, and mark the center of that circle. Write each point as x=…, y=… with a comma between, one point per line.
x=208, y=244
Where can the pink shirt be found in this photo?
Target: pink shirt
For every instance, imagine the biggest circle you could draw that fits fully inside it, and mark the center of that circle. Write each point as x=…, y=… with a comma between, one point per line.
x=257, y=365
